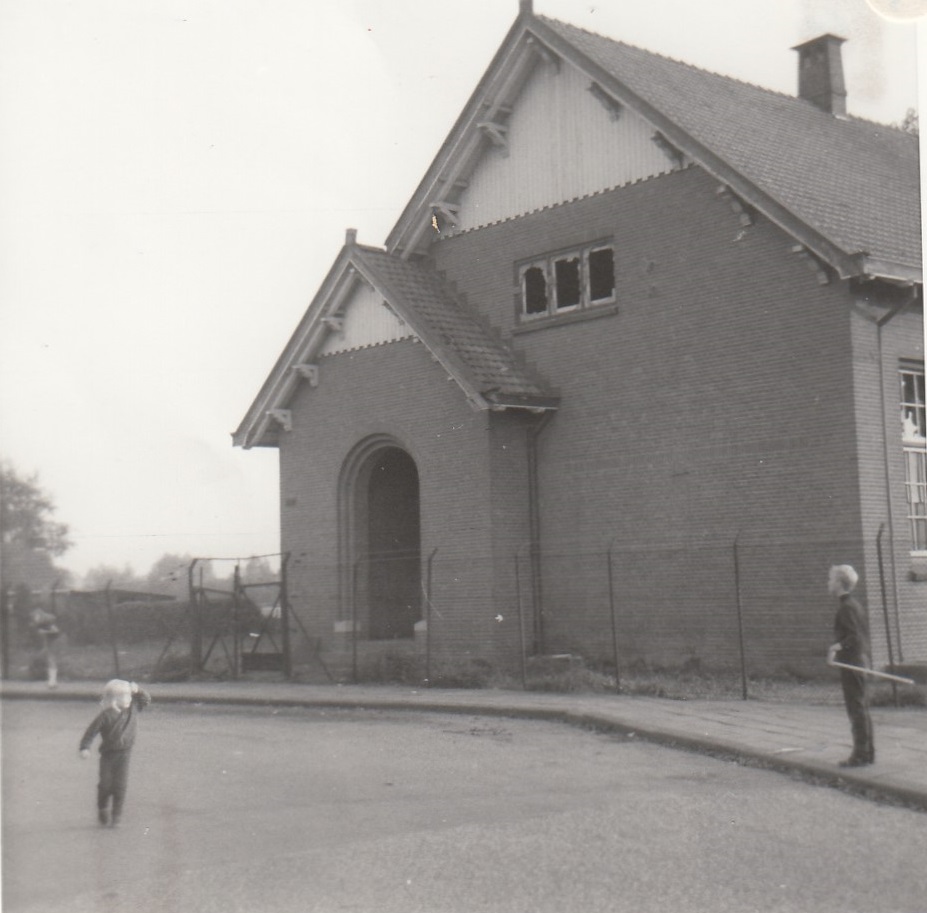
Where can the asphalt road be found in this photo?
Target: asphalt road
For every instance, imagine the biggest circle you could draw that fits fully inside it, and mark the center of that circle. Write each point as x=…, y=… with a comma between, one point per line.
x=303, y=810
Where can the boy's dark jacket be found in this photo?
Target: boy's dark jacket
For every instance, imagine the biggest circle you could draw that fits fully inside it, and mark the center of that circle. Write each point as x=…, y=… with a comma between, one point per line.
x=117, y=728
x=851, y=631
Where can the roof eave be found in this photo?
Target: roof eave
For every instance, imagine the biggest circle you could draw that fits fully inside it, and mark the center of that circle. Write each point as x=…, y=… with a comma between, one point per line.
x=407, y=231
x=501, y=401
x=257, y=429
x=880, y=268
x=261, y=429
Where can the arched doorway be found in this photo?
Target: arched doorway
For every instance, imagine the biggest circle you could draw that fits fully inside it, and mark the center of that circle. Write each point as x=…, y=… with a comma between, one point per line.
x=384, y=540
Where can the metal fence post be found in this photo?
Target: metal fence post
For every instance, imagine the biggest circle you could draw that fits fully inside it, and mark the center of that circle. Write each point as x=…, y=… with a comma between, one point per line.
x=354, y=619
x=521, y=624
x=611, y=606
x=236, y=620
x=285, y=618
x=740, y=620
x=196, y=635
x=428, y=586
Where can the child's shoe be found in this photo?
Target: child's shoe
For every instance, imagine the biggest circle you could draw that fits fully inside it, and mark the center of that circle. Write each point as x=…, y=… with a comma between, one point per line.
x=103, y=816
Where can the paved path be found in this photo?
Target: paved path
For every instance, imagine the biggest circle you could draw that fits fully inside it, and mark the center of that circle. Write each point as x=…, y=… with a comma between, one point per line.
x=808, y=740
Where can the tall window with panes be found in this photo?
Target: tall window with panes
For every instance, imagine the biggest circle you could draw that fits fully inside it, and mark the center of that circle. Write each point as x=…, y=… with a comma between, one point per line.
x=914, y=443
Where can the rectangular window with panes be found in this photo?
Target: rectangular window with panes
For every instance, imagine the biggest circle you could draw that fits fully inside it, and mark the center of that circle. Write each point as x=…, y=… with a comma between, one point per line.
x=914, y=445
x=567, y=281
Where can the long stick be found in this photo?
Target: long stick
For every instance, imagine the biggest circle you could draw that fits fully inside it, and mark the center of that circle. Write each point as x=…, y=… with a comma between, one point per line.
x=885, y=675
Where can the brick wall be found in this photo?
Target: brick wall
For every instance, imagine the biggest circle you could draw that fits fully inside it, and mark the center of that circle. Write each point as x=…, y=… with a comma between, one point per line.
x=400, y=391
x=898, y=616
x=717, y=403
x=722, y=402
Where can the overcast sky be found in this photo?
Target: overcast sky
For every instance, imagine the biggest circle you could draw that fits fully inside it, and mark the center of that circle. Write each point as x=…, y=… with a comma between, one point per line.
x=176, y=178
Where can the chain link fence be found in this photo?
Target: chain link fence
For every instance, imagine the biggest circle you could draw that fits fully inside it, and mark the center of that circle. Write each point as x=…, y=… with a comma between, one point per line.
x=742, y=608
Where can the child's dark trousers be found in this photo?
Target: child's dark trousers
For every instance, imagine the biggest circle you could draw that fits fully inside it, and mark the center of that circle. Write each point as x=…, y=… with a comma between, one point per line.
x=856, y=699
x=114, y=778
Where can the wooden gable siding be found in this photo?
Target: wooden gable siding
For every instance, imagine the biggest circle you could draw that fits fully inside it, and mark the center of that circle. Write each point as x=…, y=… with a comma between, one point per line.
x=562, y=143
x=367, y=322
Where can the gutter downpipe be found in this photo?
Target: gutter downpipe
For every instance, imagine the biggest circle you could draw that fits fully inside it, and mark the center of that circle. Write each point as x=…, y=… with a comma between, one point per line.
x=881, y=322
x=534, y=525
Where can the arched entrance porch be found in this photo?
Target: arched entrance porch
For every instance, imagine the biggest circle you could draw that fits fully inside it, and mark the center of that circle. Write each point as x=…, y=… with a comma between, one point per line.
x=381, y=537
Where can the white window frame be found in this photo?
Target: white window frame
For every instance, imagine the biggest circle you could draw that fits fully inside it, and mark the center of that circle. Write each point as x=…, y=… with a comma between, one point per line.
x=914, y=448
x=548, y=266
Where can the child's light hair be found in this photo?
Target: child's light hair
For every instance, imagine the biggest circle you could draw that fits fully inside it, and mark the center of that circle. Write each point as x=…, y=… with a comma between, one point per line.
x=113, y=690
x=845, y=576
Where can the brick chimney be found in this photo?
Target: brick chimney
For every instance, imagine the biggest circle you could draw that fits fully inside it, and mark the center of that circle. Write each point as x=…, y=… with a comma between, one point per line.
x=820, y=74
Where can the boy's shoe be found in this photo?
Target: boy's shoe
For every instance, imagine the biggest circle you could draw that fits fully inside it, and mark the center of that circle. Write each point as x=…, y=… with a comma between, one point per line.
x=855, y=761
x=115, y=821
x=103, y=816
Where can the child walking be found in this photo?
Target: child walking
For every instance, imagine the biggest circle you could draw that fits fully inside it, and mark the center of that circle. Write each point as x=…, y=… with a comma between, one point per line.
x=117, y=725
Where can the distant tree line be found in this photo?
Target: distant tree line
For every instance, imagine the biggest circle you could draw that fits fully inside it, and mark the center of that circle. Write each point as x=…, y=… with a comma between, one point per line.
x=31, y=538
x=169, y=575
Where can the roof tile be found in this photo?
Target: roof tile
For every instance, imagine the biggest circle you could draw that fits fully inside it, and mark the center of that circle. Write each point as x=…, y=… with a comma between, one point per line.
x=492, y=367
x=854, y=181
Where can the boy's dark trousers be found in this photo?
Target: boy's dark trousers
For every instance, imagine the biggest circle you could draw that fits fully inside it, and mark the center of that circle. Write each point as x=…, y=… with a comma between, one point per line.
x=857, y=704
x=114, y=778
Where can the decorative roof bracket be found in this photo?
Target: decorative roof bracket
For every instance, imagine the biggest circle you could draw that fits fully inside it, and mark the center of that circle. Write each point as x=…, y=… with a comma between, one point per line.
x=283, y=417
x=496, y=133
x=544, y=52
x=447, y=212
x=676, y=156
x=308, y=372
x=814, y=263
x=334, y=323
x=612, y=105
x=745, y=212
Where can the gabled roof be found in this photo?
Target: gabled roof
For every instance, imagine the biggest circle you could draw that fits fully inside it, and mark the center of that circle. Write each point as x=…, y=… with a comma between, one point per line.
x=854, y=181
x=480, y=361
x=846, y=189
x=487, y=370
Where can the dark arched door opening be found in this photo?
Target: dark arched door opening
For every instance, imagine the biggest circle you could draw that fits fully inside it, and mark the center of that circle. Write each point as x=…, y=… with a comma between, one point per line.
x=393, y=545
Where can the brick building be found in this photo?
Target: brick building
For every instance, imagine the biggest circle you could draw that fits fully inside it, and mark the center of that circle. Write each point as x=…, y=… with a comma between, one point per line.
x=641, y=358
